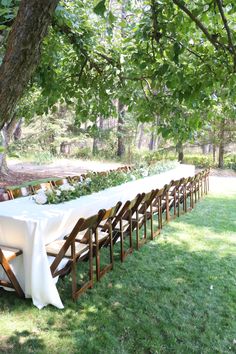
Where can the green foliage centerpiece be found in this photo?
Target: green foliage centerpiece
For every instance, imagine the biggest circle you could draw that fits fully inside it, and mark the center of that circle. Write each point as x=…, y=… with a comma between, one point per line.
x=97, y=182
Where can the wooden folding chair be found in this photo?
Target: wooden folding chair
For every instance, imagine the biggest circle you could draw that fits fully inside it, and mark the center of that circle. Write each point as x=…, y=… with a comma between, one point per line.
x=141, y=217
x=4, y=195
x=155, y=209
x=6, y=255
x=59, y=182
x=43, y=185
x=123, y=225
x=195, y=188
x=104, y=237
x=182, y=196
x=121, y=228
x=189, y=193
x=205, y=177
x=169, y=199
x=74, y=252
x=19, y=192
x=101, y=236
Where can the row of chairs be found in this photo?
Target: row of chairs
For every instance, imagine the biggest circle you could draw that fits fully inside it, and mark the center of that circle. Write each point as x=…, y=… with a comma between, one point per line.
x=119, y=223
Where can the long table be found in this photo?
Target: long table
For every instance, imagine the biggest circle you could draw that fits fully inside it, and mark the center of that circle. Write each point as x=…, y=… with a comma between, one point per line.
x=29, y=226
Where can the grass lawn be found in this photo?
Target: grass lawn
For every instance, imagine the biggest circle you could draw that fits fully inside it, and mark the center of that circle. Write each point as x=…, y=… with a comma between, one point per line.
x=176, y=295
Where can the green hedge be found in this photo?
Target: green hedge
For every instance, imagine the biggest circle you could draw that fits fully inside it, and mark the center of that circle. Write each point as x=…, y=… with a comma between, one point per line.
x=207, y=161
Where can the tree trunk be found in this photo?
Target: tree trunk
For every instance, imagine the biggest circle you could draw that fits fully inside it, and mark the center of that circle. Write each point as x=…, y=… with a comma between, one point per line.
x=180, y=151
x=152, y=141
x=97, y=138
x=7, y=133
x=120, y=130
x=95, y=146
x=22, y=52
x=17, y=132
x=222, y=144
x=214, y=153
x=205, y=148
x=140, y=140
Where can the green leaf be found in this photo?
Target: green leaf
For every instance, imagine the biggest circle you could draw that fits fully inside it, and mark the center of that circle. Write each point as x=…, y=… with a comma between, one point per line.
x=6, y=3
x=100, y=8
x=111, y=18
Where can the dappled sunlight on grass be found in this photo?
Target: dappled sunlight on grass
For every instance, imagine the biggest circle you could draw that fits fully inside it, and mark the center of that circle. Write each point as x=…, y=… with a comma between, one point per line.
x=176, y=295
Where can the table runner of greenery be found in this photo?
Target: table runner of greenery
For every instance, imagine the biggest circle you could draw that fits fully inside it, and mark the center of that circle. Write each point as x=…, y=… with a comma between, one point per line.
x=97, y=182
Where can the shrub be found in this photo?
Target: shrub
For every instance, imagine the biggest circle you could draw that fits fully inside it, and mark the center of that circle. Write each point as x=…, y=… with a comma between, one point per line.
x=200, y=160
x=204, y=161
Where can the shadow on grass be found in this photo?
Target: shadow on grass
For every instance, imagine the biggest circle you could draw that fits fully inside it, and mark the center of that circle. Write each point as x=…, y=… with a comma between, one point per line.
x=22, y=342
x=170, y=297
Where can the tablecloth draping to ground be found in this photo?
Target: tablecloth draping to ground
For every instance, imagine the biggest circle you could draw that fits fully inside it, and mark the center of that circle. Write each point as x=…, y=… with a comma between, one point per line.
x=29, y=226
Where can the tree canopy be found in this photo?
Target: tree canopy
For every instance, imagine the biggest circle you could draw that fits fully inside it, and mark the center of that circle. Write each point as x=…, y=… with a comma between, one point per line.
x=168, y=61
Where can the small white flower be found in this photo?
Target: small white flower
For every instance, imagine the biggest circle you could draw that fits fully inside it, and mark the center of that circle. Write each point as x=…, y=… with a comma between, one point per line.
x=211, y=287
x=88, y=180
x=41, y=190
x=81, y=178
x=145, y=173
x=234, y=341
x=58, y=192
x=133, y=178
x=66, y=187
x=40, y=198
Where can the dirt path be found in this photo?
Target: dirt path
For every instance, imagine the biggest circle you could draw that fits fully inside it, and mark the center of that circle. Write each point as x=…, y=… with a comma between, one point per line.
x=220, y=180
x=223, y=185
x=25, y=171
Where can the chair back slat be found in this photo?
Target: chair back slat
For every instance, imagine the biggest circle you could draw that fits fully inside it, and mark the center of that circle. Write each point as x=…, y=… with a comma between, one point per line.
x=81, y=225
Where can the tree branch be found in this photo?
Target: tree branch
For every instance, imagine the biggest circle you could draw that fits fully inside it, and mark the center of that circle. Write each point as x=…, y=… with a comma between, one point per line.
x=198, y=23
x=226, y=26
x=73, y=39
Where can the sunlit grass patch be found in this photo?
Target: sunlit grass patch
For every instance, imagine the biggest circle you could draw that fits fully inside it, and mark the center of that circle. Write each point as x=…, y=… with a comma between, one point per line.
x=176, y=295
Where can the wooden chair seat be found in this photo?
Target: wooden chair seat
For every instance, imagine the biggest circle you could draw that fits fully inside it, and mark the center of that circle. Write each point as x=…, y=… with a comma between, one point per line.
x=101, y=236
x=154, y=209
x=6, y=255
x=10, y=253
x=140, y=217
x=124, y=226
x=54, y=247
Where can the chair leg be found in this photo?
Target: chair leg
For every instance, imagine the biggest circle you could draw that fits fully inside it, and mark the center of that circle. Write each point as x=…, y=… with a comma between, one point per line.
x=121, y=242
x=90, y=263
x=167, y=208
x=137, y=233
x=175, y=204
x=11, y=276
x=111, y=248
x=151, y=223
x=130, y=233
x=97, y=255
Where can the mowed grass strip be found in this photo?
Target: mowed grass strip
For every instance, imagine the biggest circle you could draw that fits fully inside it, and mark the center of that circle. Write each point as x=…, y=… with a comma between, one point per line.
x=176, y=295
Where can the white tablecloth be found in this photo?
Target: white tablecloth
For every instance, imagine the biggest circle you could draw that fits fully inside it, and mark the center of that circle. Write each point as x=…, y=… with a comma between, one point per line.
x=29, y=226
